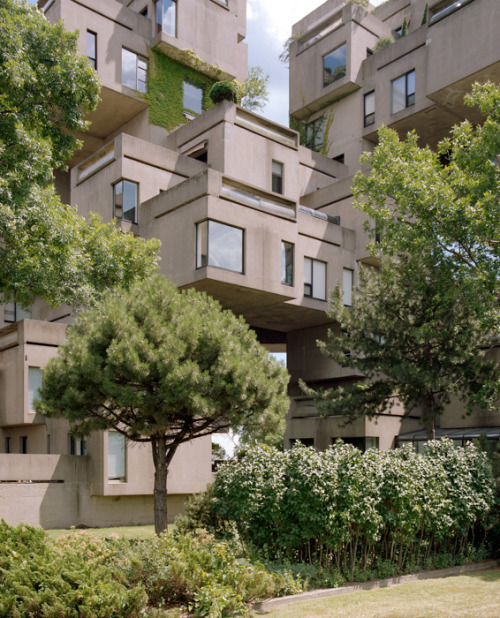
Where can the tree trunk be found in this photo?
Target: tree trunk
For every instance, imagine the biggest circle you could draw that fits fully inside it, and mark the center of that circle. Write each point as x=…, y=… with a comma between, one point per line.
x=160, y=485
x=429, y=414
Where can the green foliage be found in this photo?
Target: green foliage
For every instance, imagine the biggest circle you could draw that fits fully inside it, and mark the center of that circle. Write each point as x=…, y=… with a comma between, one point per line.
x=164, y=367
x=404, y=28
x=37, y=579
x=255, y=89
x=225, y=91
x=165, y=90
x=358, y=515
x=46, y=249
x=199, y=514
x=413, y=331
x=426, y=14
x=383, y=42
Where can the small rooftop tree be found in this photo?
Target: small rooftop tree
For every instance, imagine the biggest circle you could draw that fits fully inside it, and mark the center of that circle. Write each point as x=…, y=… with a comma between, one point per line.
x=164, y=367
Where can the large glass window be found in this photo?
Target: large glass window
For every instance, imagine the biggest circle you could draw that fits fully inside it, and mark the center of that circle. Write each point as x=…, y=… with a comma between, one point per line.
x=219, y=245
x=34, y=383
x=347, y=279
x=125, y=200
x=193, y=98
x=13, y=312
x=78, y=446
x=314, y=278
x=314, y=132
x=334, y=65
x=277, y=177
x=166, y=19
x=369, y=109
x=92, y=48
x=116, y=456
x=134, y=70
x=403, y=92
x=287, y=263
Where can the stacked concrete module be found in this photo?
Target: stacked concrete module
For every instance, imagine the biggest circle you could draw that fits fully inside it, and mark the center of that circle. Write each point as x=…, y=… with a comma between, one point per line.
x=243, y=209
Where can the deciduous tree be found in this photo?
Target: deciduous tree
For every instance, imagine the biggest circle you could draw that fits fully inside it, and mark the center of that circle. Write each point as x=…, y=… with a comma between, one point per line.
x=46, y=249
x=163, y=367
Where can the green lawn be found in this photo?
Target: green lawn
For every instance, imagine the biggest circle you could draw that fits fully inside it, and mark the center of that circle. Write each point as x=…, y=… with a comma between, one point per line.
x=127, y=532
x=477, y=594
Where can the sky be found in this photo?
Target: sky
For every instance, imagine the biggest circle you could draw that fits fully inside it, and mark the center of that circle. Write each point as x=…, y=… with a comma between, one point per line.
x=269, y=24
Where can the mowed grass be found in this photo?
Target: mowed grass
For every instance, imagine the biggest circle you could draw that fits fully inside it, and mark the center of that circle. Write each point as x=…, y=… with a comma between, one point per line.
x=477, y=594
x=126, y=532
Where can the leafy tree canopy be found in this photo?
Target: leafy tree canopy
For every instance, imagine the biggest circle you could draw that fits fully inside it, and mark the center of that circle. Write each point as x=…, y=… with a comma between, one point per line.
x=164, y=367
x=255, y=89
x=46, y=249
x=414, y=339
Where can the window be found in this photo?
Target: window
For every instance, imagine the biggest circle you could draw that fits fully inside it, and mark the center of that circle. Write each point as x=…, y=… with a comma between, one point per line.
x=447, y=8
x=34, y=383
x=193, y=98
x=13, y=312
x=362, y=444
x=347, y=277
x=314, y=131
x=166, y=20
x=8, y=446
x=314, y=279
x=369, y=109
x=287, y=263
x=403, y=92
x=334, y=65
x=219, y=245
x=92, y=48
x=116, y=456
x=144, y=12
x=23, y=445
x=125, y=200
x=134, y=70
x=277, y=177
x=78, y=446
x=303, y=441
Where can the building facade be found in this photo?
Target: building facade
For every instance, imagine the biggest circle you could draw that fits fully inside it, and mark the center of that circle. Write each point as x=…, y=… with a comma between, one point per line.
x=244, y=211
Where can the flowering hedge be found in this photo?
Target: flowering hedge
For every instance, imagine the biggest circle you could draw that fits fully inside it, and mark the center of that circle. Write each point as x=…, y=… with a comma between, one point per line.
x=351, y=509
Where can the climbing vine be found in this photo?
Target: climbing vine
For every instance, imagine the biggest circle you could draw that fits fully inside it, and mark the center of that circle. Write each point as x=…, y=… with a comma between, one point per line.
x=165, y=91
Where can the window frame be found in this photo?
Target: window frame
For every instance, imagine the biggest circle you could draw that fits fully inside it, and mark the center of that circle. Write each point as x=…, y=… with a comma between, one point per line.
x=347, y=292
x=34, y=385
x=287, y=269
x=314, y=132
x=205, y=243
x=92, y=59
x=159, y=24
x=368, y=118
x=409, y=97
x=16, y=309
x=139, y=84
x=333, y=78
x=277, y=179
x=187, y=109
x=121, y=478
x=311, y=283
x=137, y=202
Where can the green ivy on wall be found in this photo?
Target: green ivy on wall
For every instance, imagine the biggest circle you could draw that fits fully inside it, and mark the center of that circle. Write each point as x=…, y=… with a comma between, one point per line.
x=165, y=90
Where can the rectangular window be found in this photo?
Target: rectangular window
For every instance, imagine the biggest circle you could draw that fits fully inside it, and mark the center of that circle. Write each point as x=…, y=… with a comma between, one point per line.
x=193, y=98
x=287, y=263
x=219, y=245
x=134, y=70
x=369, y=109
x=13, y=312
x=34, y=383
x=77, y=446
x=403, y=92
x=125, y=200
x=314, y=279
x=117, y=456
x=23, y=445
x=8, y=447
x=166, y=19
x=92, y=48
x=277, y=177
x=314, y=132
x=347, y=278
x=334, y=65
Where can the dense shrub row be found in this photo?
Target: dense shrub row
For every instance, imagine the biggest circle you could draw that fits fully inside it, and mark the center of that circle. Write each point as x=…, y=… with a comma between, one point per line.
x=353, y=510
x=81, y=575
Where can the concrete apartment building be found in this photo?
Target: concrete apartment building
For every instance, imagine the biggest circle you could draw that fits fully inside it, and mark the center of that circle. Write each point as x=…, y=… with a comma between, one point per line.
x=244, y=211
